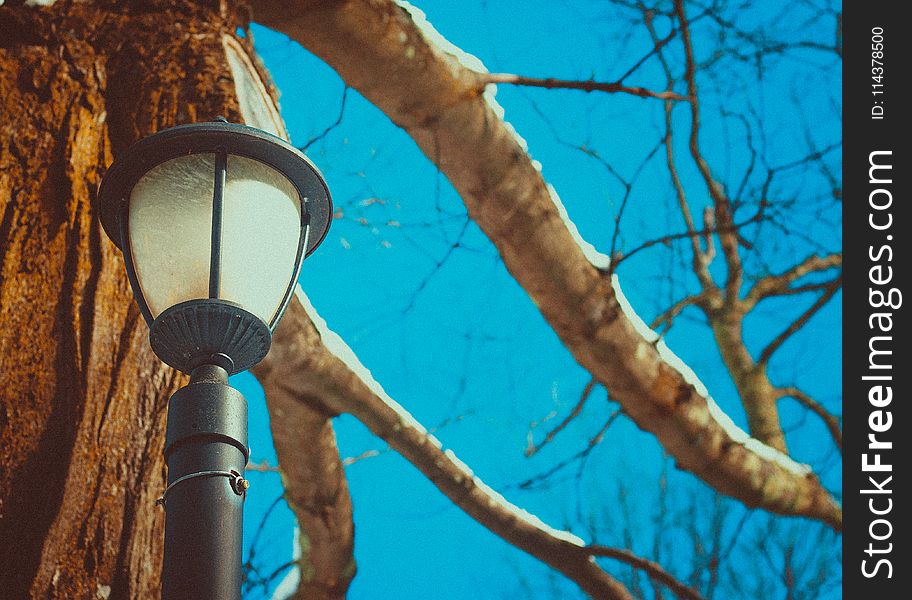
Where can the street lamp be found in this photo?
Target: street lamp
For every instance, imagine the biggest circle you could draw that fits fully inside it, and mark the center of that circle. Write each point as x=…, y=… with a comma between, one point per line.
x=214, y=220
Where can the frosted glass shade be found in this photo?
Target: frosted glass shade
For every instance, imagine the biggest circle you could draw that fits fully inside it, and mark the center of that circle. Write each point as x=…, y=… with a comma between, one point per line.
x=170, y=233
x=171, y=230
x=261, y=229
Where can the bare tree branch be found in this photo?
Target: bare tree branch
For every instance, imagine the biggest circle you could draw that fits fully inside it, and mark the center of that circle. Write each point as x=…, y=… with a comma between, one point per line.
x=667, y=317
x=262, y=467
x=830, y=290
x=726, y=311
x=777, y=285
x=329, y=127
x=653, y=569
x=434, y=98
x=831, y=421
x=705, y=234
x=724, y=212
x=591, y=85
x=253, y=578
x=313, y=367
x=533, y=448
x=582, y=85
x=701, y=258
x=581, y=455
x=315, y=486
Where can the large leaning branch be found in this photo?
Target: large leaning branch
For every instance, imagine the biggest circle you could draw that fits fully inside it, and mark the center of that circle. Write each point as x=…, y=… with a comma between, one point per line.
x=312, y=366
x=314, y=481
x=377, y=48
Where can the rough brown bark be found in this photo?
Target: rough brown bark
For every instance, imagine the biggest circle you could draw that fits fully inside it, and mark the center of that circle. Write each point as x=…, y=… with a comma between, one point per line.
x=377, y=48
x=81, y=395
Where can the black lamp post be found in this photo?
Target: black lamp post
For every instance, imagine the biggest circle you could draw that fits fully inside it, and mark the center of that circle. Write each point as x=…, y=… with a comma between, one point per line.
x=214, y=220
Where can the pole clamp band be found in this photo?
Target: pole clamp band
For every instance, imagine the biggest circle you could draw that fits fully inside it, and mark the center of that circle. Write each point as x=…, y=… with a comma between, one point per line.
x=238, y=484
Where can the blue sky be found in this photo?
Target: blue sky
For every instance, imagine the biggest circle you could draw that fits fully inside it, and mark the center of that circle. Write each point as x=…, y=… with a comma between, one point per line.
x=421, y=296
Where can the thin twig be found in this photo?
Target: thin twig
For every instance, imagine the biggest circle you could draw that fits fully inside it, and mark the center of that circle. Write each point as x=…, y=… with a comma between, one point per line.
x=654, y=570
x=353, y=459
x=669, y=315
x=775, y=285
x=798, y=323
x=700, y=260
x=831, y=421
x=665, y=239
x=728, y=234
x=533, y=448
x=335, y=124
x=590, y=446
x=587, y=85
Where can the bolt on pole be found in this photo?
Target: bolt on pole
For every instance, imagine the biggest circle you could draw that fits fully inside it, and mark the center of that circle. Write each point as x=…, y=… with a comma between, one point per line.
x=206, y=452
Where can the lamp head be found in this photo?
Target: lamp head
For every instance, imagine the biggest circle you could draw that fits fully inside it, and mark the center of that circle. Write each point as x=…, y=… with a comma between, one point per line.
x=214, y=220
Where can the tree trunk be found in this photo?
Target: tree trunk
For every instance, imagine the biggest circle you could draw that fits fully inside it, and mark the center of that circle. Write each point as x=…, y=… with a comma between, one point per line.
x=82, y=397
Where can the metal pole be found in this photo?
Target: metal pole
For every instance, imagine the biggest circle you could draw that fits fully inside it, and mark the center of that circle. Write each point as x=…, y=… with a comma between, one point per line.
x=206, y=451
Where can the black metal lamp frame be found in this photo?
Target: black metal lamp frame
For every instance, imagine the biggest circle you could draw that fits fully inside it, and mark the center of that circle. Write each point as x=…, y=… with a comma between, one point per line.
x=213, y=330
x=209, y=338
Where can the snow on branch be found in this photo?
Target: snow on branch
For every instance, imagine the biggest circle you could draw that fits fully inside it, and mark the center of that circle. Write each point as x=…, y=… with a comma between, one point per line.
x=387, y=54
x=314, y=366
x=311, y=364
